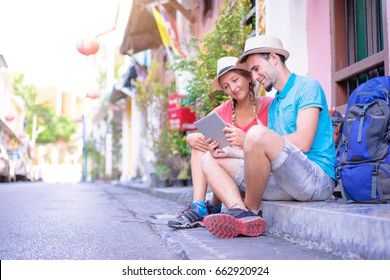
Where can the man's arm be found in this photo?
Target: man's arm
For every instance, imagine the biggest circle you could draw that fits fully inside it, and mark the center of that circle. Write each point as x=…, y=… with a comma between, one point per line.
x=307, y=124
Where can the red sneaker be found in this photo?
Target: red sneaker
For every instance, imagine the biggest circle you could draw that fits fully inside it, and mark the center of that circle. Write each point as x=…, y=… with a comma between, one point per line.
x=235, y=222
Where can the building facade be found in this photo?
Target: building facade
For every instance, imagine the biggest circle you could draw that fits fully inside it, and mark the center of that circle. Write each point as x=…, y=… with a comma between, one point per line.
x=12, y=113
x=340, y=43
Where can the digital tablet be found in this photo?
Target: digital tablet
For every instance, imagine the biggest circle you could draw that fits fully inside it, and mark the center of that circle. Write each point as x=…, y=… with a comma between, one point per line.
x=211, y=127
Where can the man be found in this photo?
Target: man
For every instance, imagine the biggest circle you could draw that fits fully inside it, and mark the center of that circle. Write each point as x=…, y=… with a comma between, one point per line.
x=291, y=159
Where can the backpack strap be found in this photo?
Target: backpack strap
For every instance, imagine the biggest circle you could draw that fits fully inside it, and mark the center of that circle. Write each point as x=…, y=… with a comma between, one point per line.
x=346, y=198
x=361, y=122
x=340, y=138
x=375, y=185
x=339, y=146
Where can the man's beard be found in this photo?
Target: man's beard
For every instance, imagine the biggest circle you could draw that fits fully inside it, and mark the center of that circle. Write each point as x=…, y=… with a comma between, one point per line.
x=268, y=87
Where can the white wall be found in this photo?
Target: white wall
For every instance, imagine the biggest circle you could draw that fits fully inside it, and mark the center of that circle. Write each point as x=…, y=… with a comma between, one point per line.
x=286, y=19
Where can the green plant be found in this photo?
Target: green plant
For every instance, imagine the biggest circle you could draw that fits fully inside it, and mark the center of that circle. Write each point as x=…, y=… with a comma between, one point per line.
x=184, y=173
x=56, y=128
x=152, y=100
x=162, y=171
x=227, y=39
x=179, y=144
x=97, y=160
x=116, y=127
x=180, y=159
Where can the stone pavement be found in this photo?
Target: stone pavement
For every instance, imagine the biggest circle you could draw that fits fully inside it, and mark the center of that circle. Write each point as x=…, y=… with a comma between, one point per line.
x=295, y=230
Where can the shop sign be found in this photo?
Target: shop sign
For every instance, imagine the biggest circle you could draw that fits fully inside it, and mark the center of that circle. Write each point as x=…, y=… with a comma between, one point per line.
x=179, y=118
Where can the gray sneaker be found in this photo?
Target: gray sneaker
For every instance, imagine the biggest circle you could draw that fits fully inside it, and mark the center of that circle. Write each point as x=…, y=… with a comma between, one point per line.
x=188, y=218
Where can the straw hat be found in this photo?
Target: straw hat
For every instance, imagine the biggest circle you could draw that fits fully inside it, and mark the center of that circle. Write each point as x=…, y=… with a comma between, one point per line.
x=224, y=65
x=263, y=44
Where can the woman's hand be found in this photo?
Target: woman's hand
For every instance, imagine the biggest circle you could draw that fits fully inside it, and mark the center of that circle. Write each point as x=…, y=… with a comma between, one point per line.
x=215, y=151
x=198, y=142
x=235, y=136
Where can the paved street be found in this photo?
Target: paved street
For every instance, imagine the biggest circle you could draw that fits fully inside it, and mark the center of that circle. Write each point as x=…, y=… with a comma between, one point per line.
x=101, y=221
x=75, y=221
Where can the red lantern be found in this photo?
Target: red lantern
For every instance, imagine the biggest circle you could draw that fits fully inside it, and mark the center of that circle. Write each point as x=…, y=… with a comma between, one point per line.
x=87, y=46
x=93, y=94
x=116, y=108
x=9, y=118
x=78, y=119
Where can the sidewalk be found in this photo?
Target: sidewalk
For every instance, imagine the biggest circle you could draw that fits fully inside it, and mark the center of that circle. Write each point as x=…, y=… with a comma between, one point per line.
x=295, y=230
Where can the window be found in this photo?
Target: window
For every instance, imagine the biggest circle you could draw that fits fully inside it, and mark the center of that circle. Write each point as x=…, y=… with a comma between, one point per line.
x=251, y=17
x=357, y=45
x=208, y=8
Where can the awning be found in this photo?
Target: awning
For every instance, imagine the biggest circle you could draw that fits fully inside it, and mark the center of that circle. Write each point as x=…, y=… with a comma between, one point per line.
x=126, y=86
x=2, y=62
x=117, y=94
x=8, y=131
x=141, y=30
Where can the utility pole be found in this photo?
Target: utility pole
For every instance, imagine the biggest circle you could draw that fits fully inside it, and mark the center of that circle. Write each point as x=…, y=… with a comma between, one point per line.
x=85, y=150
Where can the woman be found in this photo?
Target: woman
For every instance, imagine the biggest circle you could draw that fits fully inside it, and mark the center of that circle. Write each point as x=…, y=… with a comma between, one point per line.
x=241, y=112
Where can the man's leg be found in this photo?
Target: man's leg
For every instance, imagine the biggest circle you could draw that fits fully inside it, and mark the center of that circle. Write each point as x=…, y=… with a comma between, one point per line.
x=261, y=146
x=238, y=220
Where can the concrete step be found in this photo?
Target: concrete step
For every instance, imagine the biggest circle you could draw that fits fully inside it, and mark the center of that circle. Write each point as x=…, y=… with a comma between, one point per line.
x=350, y=231
x=353, y=231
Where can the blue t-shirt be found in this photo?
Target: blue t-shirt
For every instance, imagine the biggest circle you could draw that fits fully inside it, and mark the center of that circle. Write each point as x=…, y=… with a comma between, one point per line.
x=300, y=93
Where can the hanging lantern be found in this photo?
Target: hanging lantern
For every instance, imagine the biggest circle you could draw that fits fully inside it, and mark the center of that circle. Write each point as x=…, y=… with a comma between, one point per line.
x=9, y=118
x=93, y=94
x=87, y=46
x=116, y=107
x=78, y=119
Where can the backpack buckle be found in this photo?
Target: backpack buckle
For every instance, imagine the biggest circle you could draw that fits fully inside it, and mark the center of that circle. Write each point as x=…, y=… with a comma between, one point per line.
x=375, y=169
x=338, y=173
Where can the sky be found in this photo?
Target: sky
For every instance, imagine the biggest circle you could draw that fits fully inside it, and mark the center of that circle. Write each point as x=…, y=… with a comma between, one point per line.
x=38, y=39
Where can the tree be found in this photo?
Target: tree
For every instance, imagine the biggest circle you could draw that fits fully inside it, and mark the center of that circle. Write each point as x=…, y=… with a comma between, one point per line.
x=56, y=127
x=227, y=39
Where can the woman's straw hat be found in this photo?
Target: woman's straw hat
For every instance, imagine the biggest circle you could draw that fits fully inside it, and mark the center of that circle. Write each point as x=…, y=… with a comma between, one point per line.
x=224, y=65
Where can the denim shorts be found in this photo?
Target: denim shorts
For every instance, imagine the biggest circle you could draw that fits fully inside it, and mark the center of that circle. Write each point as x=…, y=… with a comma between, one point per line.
x=293, y=177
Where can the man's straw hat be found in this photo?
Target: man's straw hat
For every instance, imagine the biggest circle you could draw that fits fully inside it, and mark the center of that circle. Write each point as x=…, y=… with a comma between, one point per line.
x=263, y=44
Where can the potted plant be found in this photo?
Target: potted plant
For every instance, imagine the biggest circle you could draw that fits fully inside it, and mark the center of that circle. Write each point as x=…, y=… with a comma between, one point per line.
x=162, y=172
x=180, y=159
x=184, y=175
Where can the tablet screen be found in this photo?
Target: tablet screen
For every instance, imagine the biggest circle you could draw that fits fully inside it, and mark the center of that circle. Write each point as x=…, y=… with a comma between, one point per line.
x=211, y=127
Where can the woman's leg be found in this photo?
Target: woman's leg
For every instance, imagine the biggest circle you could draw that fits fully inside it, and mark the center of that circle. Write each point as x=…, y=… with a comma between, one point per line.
x=198, y=178
x=220, y=174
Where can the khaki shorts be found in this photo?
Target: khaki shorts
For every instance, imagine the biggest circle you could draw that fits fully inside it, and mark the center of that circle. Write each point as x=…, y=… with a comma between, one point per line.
x=293, y=177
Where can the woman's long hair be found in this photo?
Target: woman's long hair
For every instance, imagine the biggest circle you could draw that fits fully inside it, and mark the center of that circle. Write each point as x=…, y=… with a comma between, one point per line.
x=252, y=93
